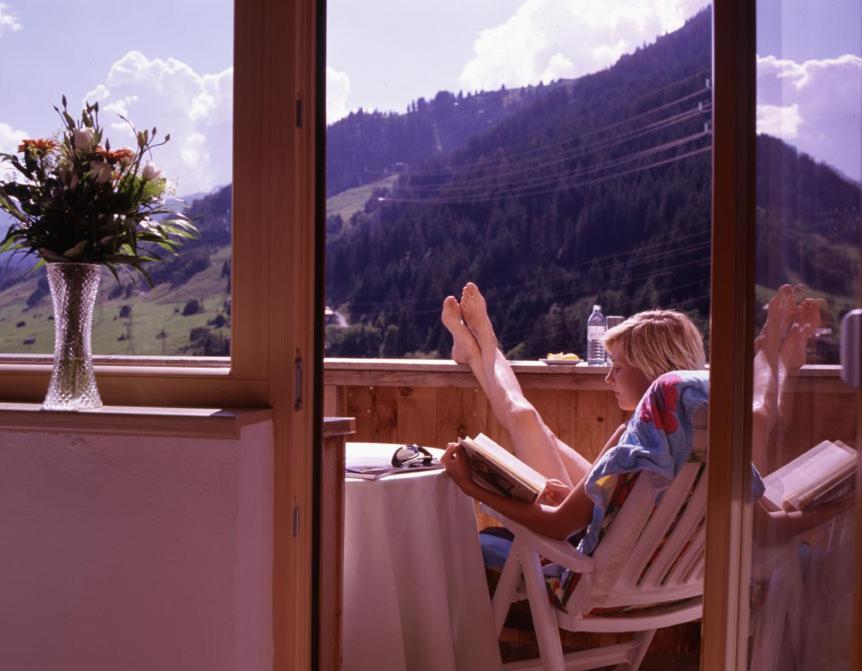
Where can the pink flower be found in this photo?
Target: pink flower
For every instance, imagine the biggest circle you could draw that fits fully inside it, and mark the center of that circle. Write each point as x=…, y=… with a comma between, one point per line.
x=83, y=138
x=151, y=172
x=101, y=171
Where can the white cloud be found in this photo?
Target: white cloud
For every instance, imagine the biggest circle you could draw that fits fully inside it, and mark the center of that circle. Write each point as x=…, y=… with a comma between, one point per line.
x=816, y=105
x=337, y=92
x=10, y=138
x=196, y=109
x=8, y=21
x=549, y=39
x=559, y=66
x=779, y=121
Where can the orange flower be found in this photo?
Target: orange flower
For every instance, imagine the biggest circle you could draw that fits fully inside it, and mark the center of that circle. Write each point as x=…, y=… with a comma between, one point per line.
x=124, y=155
x=37, y=147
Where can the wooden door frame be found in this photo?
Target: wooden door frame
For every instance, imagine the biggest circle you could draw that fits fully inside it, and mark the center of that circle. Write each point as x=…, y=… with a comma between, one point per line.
x=728, y=549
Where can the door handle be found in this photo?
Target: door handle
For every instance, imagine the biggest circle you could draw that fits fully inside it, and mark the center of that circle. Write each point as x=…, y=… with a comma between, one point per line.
x=851, y=349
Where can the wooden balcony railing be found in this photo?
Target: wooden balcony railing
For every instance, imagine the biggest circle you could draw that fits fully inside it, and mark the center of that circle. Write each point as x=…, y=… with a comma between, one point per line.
x=431, y=402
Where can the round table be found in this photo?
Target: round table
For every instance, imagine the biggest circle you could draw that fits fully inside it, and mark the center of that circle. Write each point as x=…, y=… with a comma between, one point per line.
x=415, y=595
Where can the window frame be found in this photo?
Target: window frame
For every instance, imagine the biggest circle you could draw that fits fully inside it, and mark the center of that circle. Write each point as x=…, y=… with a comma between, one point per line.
x=276, y=337
x=241, y=379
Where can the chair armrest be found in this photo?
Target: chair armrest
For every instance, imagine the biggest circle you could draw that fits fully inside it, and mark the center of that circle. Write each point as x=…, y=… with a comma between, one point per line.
x=560, y=552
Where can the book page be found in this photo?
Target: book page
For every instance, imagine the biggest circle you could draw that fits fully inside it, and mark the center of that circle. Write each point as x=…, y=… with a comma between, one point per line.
x=510, y=462
x=810, y=474
x=494, y=471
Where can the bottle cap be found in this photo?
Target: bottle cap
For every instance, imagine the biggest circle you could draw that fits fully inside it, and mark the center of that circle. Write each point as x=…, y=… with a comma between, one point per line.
x=597, y=307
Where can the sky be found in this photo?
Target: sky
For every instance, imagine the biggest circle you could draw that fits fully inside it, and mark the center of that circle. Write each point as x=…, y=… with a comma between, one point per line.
x=169, y=63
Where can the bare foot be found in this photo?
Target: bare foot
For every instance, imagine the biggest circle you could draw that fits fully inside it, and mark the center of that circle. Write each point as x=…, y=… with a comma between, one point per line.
x=780, y=311
x=464, y=345
x=806, y=320
x=475, y=313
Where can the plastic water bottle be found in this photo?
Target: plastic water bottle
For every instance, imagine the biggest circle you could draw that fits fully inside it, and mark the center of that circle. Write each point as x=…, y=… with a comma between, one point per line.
x=596, y=327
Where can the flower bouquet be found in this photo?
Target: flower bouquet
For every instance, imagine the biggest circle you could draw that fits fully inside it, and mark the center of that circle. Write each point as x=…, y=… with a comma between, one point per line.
x=78, y=205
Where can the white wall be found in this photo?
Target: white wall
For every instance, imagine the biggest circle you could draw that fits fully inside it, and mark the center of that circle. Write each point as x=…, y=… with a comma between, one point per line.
x=136, y=553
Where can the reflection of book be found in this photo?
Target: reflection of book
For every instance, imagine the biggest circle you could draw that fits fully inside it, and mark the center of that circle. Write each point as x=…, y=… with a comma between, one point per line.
x=823, y=473
x=501, y=471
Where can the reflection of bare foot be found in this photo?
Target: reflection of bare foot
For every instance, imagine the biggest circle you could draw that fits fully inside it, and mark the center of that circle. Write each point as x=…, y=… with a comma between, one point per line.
x=475, y=313
x=778, y=320
x=806, y=320
x=464, y=345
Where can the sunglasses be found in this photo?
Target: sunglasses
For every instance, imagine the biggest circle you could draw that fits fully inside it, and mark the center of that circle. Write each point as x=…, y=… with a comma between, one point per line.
x=407, y=456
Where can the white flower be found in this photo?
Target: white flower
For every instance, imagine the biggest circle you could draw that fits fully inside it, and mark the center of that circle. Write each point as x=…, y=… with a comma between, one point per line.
x=101, y=171
x=151, y=172
x=83, y=138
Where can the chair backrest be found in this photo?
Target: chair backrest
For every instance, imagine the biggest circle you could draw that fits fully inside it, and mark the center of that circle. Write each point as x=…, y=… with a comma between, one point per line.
x=653, y=552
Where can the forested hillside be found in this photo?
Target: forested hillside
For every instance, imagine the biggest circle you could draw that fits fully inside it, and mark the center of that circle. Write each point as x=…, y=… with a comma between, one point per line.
x=598, y=190
x=367, y=146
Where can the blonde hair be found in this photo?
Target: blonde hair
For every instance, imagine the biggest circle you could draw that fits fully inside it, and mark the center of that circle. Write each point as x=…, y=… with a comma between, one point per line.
x=658, y=341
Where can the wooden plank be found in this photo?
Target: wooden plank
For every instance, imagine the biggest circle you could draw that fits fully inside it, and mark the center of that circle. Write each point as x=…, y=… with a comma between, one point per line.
x=330, y=400
x=331, y=534
x=591, y=420
x=834, y=418
x=416, y=415
x=459, y=412
x=384, y=413
x=359, y=406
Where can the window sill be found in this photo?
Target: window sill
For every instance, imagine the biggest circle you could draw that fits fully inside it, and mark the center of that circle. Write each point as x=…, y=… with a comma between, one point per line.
x=124, y=365
x=127, y=420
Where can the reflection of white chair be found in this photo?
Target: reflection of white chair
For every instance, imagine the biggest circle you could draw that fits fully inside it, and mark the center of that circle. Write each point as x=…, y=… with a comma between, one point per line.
x=648, y=569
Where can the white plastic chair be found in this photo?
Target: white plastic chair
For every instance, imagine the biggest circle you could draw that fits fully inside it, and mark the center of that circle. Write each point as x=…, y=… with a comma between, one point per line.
x=619, y=574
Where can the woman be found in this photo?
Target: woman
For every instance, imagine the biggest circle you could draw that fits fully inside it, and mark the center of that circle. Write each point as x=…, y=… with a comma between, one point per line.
x=642, y=349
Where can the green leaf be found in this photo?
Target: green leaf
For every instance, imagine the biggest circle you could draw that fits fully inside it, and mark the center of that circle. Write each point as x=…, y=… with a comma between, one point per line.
x=10, y=208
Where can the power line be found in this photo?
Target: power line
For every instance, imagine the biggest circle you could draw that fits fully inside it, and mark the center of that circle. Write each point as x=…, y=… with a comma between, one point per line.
x=542, y=191
x=558, y=158
x=543, y=149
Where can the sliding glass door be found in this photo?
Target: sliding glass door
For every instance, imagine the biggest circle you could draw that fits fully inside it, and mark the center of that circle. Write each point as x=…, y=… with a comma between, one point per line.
x=782, y=576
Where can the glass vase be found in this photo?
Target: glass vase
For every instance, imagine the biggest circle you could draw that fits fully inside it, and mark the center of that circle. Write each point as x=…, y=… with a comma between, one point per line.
x=74, y=287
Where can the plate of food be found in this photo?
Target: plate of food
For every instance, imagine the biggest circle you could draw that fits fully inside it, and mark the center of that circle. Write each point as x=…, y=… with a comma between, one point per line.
x=562, y=359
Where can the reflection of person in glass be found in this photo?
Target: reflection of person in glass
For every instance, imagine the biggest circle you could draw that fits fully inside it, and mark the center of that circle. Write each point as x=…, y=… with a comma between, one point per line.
x=780, y=351
x=797, y=557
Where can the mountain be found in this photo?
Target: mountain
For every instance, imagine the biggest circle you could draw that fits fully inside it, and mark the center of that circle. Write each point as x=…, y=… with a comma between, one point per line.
x=366, y=147
x=594, y=190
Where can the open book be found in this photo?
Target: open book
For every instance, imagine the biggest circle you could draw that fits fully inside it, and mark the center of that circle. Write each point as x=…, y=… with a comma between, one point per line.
x=498, y=470
x=823, y=473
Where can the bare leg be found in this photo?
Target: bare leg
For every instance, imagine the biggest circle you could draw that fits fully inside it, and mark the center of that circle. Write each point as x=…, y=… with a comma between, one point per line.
x=533, y=441
x=806, y=320
x=769, y=375
x=781, y=349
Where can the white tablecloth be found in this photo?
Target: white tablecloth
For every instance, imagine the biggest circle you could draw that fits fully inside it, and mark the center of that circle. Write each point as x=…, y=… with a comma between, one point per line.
x=415, y=595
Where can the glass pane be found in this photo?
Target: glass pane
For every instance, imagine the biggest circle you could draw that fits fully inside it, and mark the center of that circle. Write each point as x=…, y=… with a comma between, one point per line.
x=809, y=165
x=167, y=64
x=573, y=172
